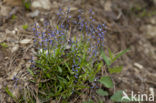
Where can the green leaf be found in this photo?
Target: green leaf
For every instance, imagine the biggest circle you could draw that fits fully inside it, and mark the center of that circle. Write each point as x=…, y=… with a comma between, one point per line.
x=57, y=27
x=57, y=52
x=106, y=59
x=10, y=94
x=27, y=5
x=4, y=45
x=68, y=68
x=119, y=55
x=92, y=78
x=13, y=16
x=101, y=92
x=106, y=81
x=117, y=69
x=93, y=74
x=110, y=54
x=61, y=79
x=48, y=75
x=25, y=26
x=30, y=71
x=117, y=97
x=59, y=69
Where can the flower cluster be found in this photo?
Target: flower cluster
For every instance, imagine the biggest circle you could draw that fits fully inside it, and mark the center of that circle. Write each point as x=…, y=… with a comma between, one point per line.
x=86, y=30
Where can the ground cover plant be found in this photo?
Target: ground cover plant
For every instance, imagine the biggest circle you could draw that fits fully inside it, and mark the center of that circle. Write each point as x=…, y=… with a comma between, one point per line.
x=66, y=64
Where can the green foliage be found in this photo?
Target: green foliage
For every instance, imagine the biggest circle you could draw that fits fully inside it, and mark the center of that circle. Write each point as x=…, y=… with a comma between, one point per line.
x=10, y=94
x=117, y=97
x=106, y=81
x=27, y=4
x=106, y=59
x=61, y=73
x=111, y=59
x=13, y=17
x=116, y=69
x=25, y=26
x=65, y=67
x=30, y=71
x=4, y=45
x=101, y=92
x=119, y=55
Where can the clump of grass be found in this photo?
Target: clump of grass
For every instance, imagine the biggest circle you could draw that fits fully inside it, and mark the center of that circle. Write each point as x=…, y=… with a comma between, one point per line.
x=64, y=65
x=61, y=73
x=27, y=4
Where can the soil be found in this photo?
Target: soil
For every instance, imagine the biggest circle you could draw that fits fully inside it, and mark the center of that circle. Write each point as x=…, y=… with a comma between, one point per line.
x=130, y=24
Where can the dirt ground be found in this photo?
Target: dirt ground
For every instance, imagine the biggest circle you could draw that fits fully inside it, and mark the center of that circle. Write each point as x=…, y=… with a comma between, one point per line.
x=131, y=24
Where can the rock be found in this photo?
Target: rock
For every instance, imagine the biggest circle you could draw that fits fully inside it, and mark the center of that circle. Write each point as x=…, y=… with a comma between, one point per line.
x=41, y=4
x=25, y=41
x=33, y=14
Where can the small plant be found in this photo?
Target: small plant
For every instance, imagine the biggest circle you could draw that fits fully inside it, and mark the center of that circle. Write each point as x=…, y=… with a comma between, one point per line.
x=13, y=17
x=25, y=27
x=111, y=59
x=27, y=4
x=64, y=65
x=4, y=45
x=106, y=80
x=10, y=94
